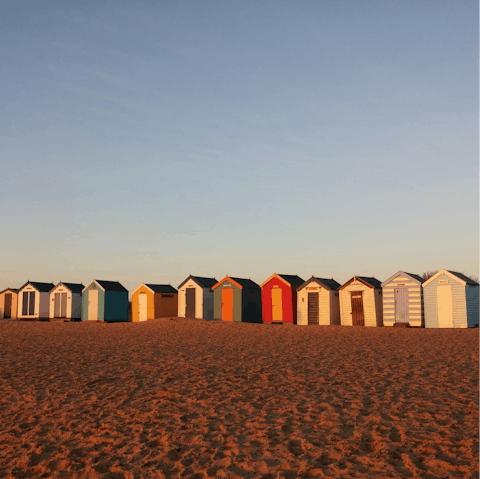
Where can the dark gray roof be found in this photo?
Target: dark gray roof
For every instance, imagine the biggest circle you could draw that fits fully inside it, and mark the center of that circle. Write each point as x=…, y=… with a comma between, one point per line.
x=42, y=287
x=416, y=276
x=293, y=279
x=111, y=286
x=162, y=288
x=464, y=278
x=201, y=281
x=246, y=283
x=74, y=287
x=329, y=283
x=373, y=281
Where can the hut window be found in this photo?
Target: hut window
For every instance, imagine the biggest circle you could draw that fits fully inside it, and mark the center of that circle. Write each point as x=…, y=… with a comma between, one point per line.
x=336, y=294
x=167, y=295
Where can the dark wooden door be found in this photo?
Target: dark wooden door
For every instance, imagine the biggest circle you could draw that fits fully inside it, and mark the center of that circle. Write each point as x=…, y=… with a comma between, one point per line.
x=56, y=312
x=25, y=303
x=358, y=319
x=28, y=306
x=31, y=303
x=7, y=313
x=312, y=308
x=190, y=303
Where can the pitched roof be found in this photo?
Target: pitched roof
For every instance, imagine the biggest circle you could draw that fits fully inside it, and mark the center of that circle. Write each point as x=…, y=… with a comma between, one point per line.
x=245, y=283
x=111, y=286
x=464, y=278
x=74, y=287
x=239, y=282
x=13, y=290
x=331, y=283
x=293, y=279
x=366, y=280
x=161, y=288
x=328, y=283
x=415, y=277
x=205, y=282
x=42, y=287
x=201, y=281
x=453, y=274
x=372, y=281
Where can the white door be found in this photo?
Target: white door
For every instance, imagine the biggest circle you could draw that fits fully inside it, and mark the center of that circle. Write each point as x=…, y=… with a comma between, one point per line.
x=142, y=307
x=93, y=305
x=444, y=306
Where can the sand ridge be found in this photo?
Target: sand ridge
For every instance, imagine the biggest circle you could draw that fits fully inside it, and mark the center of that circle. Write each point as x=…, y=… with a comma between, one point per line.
x=190, y=398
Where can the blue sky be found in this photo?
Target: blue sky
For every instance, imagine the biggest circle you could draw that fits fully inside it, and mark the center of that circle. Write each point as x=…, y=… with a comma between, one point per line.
x=142, y=142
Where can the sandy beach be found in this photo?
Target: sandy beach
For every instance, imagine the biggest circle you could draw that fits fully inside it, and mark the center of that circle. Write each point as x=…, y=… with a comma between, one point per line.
x=190, y=398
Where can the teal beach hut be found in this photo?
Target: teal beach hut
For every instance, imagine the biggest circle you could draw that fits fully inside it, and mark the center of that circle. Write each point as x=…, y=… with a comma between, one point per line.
x=104, y=301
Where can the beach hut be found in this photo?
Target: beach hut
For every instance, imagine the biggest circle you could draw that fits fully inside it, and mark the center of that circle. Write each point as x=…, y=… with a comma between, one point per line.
x=104, y=301
x=150, y=301
x=279, y=298
x=34, y=300
x=402, y=300
x=237, y=299
x=195, y=297
x=361, y=302
x=318, y=302
x=450, y=300
x=8, y=303
x=66, y=301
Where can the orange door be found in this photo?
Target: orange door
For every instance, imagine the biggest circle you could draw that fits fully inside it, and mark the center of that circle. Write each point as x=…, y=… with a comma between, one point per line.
x=227, y=304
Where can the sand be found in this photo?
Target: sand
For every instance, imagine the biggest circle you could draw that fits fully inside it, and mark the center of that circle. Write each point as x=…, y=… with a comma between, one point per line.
x=190, y=398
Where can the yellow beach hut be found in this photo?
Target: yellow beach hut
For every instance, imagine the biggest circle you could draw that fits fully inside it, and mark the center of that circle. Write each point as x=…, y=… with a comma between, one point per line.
x=150, y=301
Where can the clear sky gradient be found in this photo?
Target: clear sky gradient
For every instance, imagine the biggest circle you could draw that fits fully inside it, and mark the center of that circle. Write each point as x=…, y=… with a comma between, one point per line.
x=146, y=141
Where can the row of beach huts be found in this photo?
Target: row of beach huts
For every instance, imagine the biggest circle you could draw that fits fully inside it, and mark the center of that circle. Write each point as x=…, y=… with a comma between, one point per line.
x=448, y=299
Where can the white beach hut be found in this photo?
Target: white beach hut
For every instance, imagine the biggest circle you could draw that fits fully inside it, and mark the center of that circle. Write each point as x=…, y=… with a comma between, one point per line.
x=195, y=297
x=450, y=300
x=402, y=300
x=66, y=302
x=34, y=300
